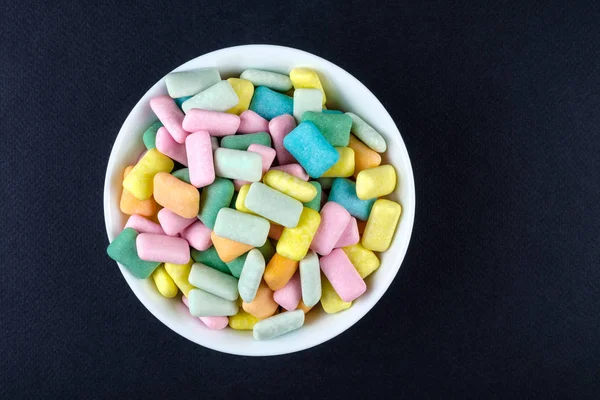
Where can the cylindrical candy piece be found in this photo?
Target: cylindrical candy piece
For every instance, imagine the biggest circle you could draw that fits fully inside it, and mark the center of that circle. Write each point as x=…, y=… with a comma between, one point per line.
x=238, y=164
x=344, y=167
x=124, y=251
x=214, y=122
x=242, y=142
x=251, y=276
x=130, y=205
x=213, y=281
x=170, y=115
x=272, y=80
x=213, y=323
x=307, y=100
x=181, y=198
x=204, y=304
x=244, y=90
x=198, y=236
x=218, y=97
x=263, y=305
x=189, y=83
x=350, y=236
x=334, y=219
x=161, y=248
x=289, y=296
x=143, y=225
x=180, y=273
x=139, y=182
x=200, y=159
x=375, y=182
x=294, y=169
x=169, y=147
x=172, y=223
x=364, y=157
x=215, y=196
x=279, y=271
x=381, y=225
x=290, y=185
x=279, y=127
x=310, y=279
x=273, y=205
x=342, y=275
x=227, y=249
x=242, y=321
x=367, y=134
x=251, y=122
x=164, y=283
x=241, y=227
x=364, y=260
x=278, y=325
x=294, y=242
x=306, y=78
x=330, y=300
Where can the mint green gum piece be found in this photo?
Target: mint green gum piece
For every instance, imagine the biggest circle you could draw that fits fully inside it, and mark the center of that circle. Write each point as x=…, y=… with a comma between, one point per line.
x=215, y=196
x=315, y=203
x=123, y=250
x=335, y=127
x=236, y=266
x=242, y=142
x=149, y=136
x=211, y=258
x=182, y=174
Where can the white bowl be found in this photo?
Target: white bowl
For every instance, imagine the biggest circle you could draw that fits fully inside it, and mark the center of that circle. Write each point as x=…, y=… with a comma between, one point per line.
x=344, y=92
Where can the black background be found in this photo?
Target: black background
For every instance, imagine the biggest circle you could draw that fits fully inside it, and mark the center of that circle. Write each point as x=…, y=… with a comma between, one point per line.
x=499, y=106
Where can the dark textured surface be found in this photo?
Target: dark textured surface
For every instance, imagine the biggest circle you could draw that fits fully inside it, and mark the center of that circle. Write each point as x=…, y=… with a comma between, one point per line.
x=499, y=106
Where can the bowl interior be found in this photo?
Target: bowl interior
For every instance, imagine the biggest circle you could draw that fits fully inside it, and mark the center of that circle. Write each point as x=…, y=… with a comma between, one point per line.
x=344, y=92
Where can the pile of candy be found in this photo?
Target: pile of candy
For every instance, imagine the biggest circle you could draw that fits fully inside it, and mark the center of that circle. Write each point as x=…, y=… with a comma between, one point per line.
x=274, y=203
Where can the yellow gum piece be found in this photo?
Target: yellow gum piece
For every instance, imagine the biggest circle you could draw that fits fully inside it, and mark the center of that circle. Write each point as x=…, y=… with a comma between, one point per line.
x=330, y=300
x=304, y=78
x=381, y=225
x=294, y=242
x=375, y=182
x=239, y=202
x=243, y=321
x=364, y=260
x=139, y=182
x=290, y=185
x=164, y=283
x=345, y=165
x=244, y=90
x=180, y=273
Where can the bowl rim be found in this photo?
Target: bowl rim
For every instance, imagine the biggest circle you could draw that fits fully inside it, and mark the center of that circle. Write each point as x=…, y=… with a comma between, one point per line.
x=407, y=214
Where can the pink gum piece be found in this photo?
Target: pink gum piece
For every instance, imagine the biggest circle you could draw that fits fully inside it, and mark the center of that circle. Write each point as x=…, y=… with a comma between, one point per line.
x=293, y=169
x=289, y=296
x=334, y=219
x=279, y=127
x=170, y=115
x=214, y=323
x=161, y=248
x=200, y=159
x=350, y=235
x=172, y=223
x=342, y=275
x=143, y=225
x=251, y=122
x=214, y=122
x=198, y=236
x=268, y=156
x=169, y=147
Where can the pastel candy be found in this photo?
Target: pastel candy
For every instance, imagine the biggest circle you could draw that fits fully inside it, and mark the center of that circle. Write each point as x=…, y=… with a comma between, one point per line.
x=161, y=248
x=278, y=325
x=310, y=279
x=198, y=236
x=267, y=155
x=164, y=283
x=123, y=250
x=241, y=142
x=238, y=164
x=181, y=198
x=294, y=170
x=381, y=225
x=367, y=134
x=170, y=115
x=143, y=225
x=344, y=167
x=182, y=174
x=375, y=182
x=270, y=104
x=213, y=122
x=213, y=281
x=130, y=205
x=273, y=205
x=169, y=147
x=251, y=275
x=211, y=258
x=240, y=203
x=189, y=83
x=180, y=100
x=315, y=203
x=306, y=78
x=204, y=304
x=290, y=185
x=334, y=127
x=244, y=90
x=272, y=80
x=227, y=249
x=350, y=236
x=251, y=122
x=139, y=182
x=364, y=157
x=330, y=300
x=242, y=321
x=334, y=219
x=200, y=159
x=310, y=148
x=307, y=100
x=289, y=296
x=218, y=97
x=263, y=305
x=342, y=275
x=179, y=273
x=172, y=223
x=236, y=266
x=149, y=135
x=279, y=271
x=279, y=127
x=212, y=323
x=343, y=192
x=215, y=196
x=294, y=242
x=241, y=227
x=364, y=260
